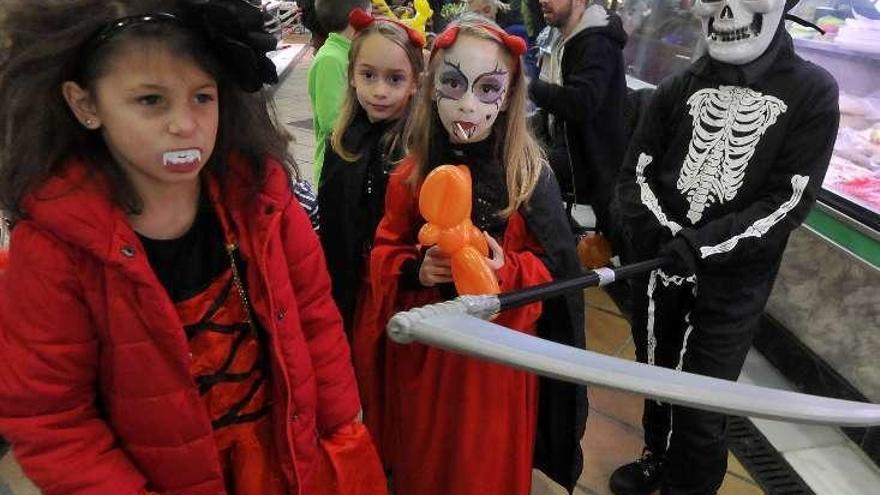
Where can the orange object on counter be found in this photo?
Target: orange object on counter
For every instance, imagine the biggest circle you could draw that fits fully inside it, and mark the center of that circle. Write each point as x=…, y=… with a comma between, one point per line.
x=594, y=251
x=445, y=202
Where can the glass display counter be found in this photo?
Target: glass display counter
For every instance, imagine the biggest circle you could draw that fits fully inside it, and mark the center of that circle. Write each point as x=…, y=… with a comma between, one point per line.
x=850, y=50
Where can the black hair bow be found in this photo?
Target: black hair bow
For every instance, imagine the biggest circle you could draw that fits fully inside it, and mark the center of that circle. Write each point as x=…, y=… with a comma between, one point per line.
x=234, y=31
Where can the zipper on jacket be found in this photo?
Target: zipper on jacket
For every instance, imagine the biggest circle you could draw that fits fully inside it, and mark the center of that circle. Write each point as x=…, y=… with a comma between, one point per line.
x=271, y=303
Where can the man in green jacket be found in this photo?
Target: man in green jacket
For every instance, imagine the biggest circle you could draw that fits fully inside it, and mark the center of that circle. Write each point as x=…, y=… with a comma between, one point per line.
x=328, y=75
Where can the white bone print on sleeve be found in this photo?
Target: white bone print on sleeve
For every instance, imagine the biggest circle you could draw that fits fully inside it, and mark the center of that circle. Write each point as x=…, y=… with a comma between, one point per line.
x=649, y=199
x=762, y=225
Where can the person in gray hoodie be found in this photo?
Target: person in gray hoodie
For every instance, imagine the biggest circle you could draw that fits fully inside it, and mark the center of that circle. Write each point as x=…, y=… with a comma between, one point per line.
x=581, y=92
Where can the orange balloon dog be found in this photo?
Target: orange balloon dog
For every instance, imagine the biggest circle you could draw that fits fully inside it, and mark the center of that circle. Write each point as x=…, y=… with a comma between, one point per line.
x=445, y=202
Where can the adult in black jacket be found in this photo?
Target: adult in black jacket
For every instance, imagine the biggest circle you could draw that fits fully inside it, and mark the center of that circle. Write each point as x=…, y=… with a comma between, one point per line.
x=582, y=92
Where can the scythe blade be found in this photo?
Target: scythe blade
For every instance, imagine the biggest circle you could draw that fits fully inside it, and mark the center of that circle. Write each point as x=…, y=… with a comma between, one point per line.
x=450, y=326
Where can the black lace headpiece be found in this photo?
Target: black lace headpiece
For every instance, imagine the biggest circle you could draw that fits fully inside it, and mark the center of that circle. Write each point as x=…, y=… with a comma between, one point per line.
x=233, y=29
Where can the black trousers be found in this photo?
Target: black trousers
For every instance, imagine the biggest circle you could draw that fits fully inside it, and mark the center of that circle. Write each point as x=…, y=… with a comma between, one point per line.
x=703, y=326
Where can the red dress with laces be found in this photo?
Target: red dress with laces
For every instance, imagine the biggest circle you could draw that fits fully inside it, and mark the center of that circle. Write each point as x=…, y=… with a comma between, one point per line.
x=229, y=361
x=446, y=423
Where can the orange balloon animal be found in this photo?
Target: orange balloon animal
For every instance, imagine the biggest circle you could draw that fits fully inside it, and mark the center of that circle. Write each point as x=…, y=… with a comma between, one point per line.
x=445, y=202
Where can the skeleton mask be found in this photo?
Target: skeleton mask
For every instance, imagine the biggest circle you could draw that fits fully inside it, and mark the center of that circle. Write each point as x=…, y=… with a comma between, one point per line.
x=738, y=31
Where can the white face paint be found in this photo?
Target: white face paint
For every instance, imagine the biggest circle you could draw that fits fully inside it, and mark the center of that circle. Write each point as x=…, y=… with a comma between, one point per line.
x=470, y=88
x=738, y=31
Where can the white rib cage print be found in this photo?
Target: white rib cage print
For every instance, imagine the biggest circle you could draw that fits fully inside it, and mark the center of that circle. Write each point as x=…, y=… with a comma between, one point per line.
x=728, y=125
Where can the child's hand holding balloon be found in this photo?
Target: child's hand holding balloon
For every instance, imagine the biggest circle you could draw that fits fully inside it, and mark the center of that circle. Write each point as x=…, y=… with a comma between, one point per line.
x=436, y=268
x=445, y=202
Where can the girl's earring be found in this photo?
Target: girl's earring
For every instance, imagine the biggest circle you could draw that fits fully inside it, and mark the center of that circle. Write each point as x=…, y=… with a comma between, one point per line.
x=91, y=124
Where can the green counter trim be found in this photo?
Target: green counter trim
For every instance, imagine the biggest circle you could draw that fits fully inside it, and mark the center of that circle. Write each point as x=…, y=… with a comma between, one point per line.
x=845, y=236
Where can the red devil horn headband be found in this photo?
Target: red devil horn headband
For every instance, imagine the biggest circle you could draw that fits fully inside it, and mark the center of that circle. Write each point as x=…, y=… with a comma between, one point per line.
x=514, y=44
x=360, y=20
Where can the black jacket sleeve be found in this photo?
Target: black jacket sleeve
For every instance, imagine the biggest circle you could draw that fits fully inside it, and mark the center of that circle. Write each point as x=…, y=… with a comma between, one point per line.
x=585, y=83
x=760, y=230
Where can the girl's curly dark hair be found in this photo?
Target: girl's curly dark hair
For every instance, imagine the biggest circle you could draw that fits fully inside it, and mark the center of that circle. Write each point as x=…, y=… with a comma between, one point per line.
x=41, y=46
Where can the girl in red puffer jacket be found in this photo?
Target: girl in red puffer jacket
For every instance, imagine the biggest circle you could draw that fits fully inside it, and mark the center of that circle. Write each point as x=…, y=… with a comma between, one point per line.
x=166, y=323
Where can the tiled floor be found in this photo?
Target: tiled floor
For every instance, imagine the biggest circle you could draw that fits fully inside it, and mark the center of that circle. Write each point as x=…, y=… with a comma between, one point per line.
x=827, y=460
x=12, y=481
x=614, y=431
x=294, y=112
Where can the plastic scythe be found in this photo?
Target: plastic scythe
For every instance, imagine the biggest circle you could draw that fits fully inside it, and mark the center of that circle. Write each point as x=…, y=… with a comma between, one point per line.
x=460, y=326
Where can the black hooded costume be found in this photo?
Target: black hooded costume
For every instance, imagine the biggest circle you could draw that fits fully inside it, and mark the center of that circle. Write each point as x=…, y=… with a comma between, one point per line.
x=725, y=163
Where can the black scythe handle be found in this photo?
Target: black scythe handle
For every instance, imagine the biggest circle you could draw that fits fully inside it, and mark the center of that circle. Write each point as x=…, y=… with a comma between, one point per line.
x=553, y=289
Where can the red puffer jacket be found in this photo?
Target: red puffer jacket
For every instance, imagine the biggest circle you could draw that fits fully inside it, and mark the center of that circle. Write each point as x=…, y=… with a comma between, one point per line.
x=96, y=394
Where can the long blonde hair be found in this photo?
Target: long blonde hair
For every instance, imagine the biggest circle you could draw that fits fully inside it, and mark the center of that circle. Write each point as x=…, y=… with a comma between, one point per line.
x=522, y=156
x=398, y=35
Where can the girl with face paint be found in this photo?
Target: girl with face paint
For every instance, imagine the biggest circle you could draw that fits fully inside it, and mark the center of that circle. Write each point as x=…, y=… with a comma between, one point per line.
x=385, y=62
x=439, y=412
x=166, y=318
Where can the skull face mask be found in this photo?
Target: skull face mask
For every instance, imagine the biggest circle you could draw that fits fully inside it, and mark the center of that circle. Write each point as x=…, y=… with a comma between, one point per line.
x=738, y=31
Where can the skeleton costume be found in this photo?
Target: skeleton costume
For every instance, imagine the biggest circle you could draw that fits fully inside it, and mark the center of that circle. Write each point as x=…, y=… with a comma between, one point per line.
x=724, y=165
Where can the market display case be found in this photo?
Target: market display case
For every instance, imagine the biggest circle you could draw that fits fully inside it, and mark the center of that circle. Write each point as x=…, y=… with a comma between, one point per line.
x=822, y=323
x=850, y=50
